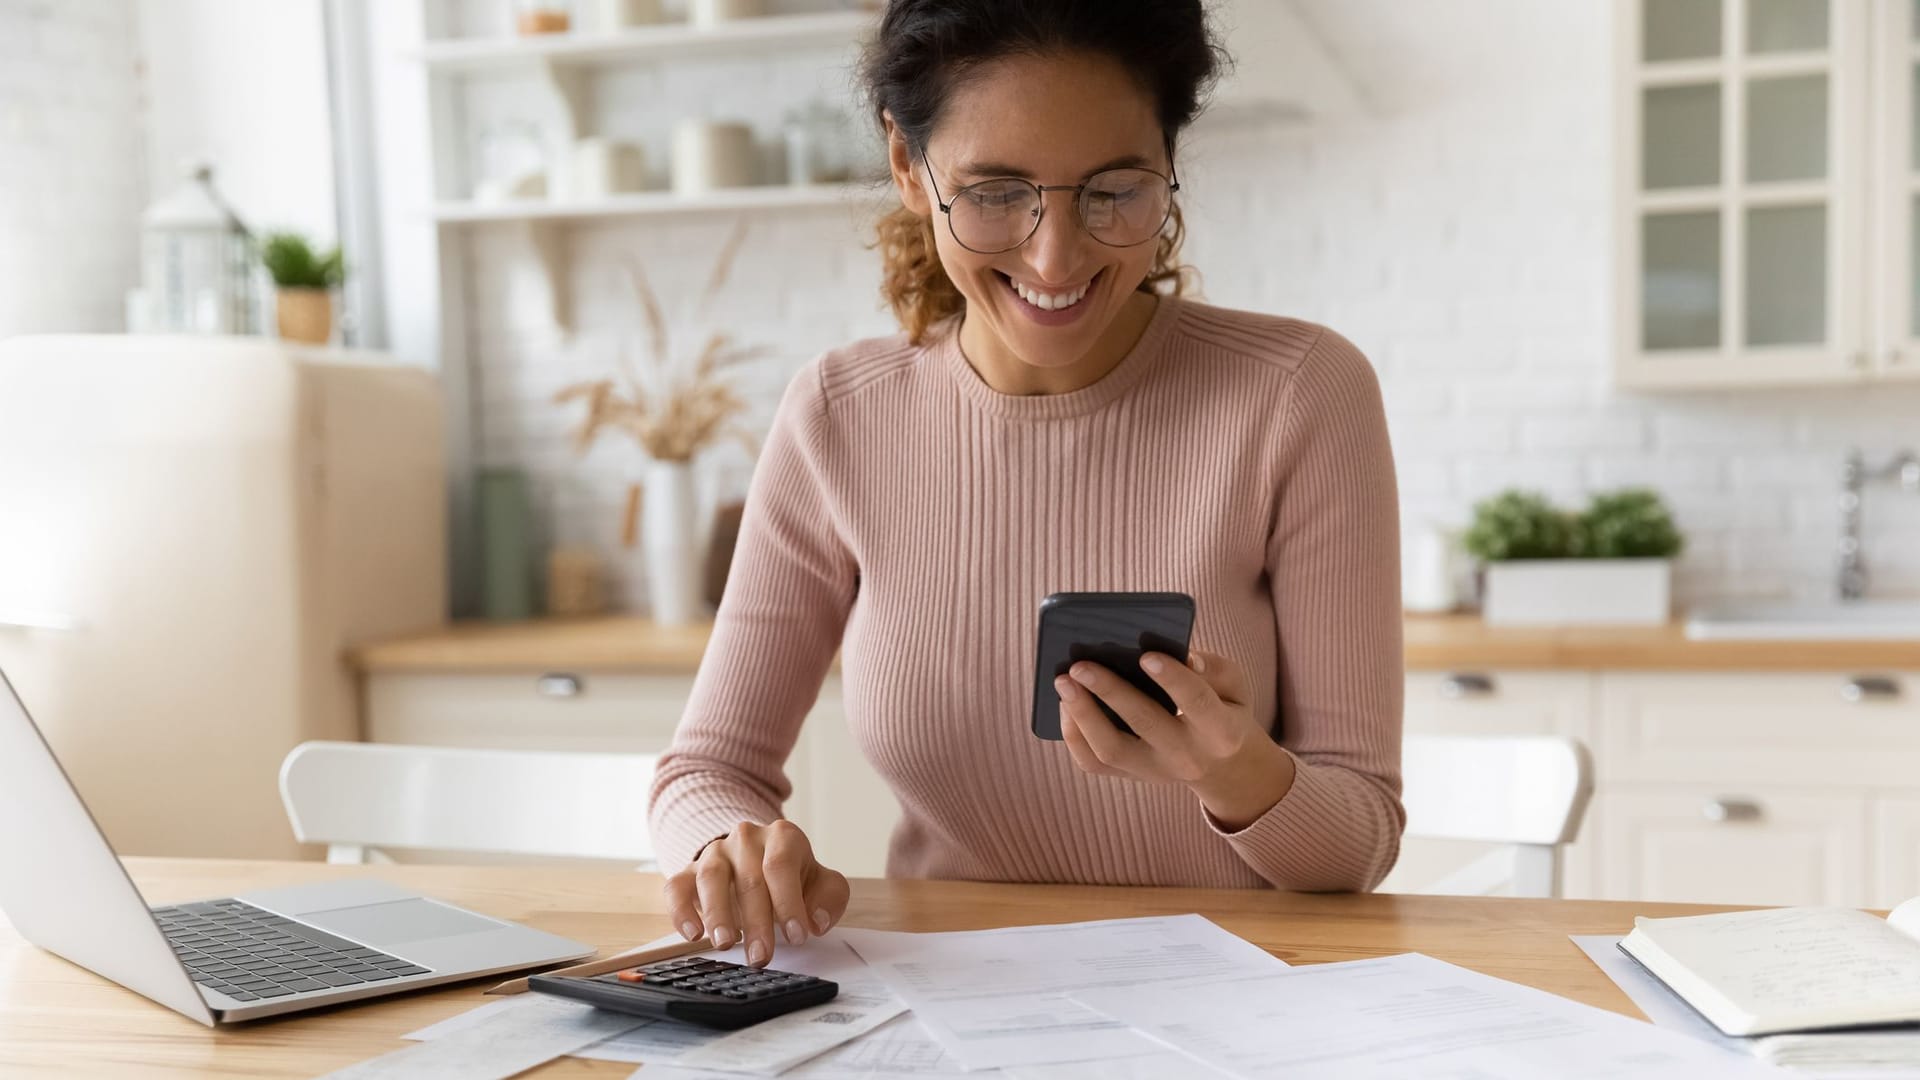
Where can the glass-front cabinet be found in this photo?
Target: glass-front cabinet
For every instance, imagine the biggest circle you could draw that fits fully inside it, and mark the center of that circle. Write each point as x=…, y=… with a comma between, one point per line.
x=1751, y=226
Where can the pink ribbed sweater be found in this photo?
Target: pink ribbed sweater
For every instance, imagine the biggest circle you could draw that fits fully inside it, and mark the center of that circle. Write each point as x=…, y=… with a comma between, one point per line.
x=909, y=515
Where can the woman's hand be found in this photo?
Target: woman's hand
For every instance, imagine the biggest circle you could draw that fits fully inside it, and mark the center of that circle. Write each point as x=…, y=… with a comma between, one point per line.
x=753, y=879
x=1214, y=744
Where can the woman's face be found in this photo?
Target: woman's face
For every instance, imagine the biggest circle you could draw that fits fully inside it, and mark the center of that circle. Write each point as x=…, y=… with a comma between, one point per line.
x=1051, y=120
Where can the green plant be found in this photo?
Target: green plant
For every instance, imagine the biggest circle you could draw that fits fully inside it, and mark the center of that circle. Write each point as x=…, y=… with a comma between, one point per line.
x=1632, y=523
x=293, y=263
x=1520, y=525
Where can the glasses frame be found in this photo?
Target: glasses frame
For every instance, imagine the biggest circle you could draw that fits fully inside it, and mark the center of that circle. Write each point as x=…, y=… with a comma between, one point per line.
x=1079, y=192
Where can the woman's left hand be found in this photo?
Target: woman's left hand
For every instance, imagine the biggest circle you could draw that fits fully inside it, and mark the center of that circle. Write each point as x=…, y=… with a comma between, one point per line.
x=1213, y=744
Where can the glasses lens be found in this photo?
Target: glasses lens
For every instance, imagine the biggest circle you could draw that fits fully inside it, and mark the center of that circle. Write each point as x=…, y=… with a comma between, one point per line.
x=1124, y=207
x=995, y=216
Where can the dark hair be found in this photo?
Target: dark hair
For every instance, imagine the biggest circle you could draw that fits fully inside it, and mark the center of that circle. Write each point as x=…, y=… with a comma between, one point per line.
x=925, y=48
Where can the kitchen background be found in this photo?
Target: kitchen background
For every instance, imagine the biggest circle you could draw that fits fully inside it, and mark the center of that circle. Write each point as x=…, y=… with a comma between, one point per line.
x=1439, y=181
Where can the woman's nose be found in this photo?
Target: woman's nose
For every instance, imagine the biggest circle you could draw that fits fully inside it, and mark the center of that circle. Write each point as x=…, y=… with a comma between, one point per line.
x=1054, y=249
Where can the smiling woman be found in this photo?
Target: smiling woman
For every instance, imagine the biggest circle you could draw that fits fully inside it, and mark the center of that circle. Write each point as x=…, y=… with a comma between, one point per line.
x=1054, y=417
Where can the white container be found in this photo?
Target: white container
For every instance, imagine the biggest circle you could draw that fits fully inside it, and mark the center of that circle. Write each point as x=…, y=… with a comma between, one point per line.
x=1430, y=569
x=670, y=544
x=714, y=12
x=601, y=167
x=709, y=155
x=616, y=15
x=1604, y=592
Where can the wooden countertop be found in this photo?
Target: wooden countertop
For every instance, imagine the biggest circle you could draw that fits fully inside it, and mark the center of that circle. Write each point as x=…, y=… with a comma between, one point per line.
x=1433, y=643
x=56, y=1017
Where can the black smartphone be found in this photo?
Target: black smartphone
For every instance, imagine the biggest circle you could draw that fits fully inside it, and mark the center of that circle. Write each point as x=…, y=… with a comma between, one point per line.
x=1111, y=629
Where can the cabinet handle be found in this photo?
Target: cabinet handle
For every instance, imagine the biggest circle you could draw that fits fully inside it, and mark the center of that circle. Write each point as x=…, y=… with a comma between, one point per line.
x=1869, y=688
x=1461, y=684
x=560, y=685
x=1724, y=810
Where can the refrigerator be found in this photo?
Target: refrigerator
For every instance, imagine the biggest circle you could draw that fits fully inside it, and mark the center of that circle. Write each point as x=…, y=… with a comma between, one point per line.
x=192, y=530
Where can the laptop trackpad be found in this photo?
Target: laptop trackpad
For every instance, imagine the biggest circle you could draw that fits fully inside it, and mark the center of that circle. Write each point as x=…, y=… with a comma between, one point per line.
x=399, y=921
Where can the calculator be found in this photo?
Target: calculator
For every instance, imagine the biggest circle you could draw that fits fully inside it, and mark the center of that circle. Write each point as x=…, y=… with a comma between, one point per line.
x=698, y=990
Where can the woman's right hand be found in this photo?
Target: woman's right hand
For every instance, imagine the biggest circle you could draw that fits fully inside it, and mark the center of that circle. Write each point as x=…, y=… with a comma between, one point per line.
x=749, y=881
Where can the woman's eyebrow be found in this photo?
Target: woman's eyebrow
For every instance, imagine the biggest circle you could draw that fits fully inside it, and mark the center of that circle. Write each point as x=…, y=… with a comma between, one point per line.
x=996, y=169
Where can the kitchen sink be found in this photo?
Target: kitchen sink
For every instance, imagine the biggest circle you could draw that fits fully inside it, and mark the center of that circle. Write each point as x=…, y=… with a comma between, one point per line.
x=1879, y=619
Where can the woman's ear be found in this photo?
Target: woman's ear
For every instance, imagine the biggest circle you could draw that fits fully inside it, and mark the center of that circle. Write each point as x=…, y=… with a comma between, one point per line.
x=908, y=179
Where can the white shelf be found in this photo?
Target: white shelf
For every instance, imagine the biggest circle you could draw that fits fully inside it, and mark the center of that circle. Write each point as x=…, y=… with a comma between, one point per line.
x=647, y=203
x=668, y=40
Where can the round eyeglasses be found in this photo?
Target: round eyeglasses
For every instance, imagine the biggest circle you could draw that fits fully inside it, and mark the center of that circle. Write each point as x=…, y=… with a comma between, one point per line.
x=1118, y=207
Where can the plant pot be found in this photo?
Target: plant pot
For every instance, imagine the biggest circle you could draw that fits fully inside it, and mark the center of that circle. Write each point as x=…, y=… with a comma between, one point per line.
x=305, y=315
x=670, y=544
x=1603, y=592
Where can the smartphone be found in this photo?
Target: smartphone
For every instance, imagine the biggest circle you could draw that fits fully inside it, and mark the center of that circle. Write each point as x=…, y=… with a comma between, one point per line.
x=1111, y=629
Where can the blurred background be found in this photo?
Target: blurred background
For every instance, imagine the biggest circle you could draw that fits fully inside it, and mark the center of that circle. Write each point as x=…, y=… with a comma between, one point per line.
x=394, y=370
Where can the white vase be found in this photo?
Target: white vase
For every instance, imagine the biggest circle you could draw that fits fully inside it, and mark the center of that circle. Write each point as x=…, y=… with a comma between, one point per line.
x=670, y=543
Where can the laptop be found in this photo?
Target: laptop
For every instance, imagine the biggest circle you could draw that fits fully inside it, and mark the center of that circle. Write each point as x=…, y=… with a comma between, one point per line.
x=256, y=954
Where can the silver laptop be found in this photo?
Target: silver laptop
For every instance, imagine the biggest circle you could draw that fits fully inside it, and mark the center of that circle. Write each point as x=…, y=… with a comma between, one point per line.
x=232, y=958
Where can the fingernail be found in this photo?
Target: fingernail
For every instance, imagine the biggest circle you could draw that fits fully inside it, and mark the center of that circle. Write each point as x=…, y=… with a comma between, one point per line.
x=821, y=924
x=722, y=938
x=1152, y=663
x=1196, y=663
x=689, y=929
x=1066, y=689
x=757, y=954
x=1080, y=673
x=796, y=934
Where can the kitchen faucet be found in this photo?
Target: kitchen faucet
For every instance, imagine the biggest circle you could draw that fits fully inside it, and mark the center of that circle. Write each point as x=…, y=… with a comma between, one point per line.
x=1855, y=476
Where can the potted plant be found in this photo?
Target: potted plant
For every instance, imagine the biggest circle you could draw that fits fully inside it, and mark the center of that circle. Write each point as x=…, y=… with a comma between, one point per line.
x=675, y=410
x=1610, y=564
x=303, y=286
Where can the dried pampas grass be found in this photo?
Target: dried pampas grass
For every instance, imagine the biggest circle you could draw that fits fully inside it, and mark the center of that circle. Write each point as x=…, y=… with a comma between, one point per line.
x=673, y=411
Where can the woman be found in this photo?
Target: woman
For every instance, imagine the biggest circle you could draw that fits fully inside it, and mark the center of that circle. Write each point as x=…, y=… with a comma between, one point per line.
x=1051, y=420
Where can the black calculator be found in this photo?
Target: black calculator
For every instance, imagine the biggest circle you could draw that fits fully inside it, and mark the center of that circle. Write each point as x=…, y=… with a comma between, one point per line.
x=711, y=993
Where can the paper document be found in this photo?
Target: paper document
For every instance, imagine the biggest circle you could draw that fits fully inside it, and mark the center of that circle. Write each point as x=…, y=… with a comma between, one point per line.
x=510, y=1041
x=1409, y=1015
x=998, y=998
x=900, y=1049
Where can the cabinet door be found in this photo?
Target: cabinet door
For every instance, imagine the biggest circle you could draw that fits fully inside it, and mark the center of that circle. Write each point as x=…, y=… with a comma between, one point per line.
x=1740, y=192
x=1896, y=169
x=1732, y=845
x=1896, y=850
x=1491, y=702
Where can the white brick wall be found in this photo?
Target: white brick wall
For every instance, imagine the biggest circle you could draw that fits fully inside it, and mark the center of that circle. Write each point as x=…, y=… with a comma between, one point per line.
x=71, y=178
x=1459, y=234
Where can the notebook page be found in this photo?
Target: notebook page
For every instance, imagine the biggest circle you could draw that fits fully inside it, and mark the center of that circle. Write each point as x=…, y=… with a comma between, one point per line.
x=1798, y=965
x=1906, y=918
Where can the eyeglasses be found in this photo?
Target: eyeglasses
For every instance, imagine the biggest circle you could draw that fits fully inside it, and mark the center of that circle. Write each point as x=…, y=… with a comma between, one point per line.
x=1118, y=207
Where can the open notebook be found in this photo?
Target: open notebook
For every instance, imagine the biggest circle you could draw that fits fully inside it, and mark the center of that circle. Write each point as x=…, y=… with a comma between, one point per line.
x=1788, y=969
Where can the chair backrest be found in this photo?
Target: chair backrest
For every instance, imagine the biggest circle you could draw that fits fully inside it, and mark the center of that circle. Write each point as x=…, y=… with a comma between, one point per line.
x=1528, y=792
x=359, y=796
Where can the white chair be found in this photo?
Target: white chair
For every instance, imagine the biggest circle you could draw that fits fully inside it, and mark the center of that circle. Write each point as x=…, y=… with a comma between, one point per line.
x=1526, y=792
x=357, y=798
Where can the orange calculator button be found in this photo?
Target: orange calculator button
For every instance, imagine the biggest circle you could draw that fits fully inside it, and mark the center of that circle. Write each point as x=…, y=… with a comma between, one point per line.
x=634, y=975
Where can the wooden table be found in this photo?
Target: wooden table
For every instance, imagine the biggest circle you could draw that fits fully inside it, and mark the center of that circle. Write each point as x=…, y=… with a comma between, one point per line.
x=55, y=1017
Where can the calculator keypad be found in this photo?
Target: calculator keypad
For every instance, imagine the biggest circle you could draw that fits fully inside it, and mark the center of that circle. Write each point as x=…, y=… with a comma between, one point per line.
x=715, y=978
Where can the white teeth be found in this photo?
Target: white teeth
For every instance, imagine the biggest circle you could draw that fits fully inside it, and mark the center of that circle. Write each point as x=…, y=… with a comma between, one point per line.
x=1050, y=301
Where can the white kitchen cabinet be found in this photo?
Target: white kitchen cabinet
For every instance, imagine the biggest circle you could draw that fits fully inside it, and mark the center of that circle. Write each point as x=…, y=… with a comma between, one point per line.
x=845, y=807
x=1802, y=729
x=1733, y=845
x=1494, y=702
x=1751, y=154
x=1896, y=169
x=1896, y=850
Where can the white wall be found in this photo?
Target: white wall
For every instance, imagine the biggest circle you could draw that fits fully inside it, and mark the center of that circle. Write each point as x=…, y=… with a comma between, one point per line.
x=72, y=181
x=1459, y=235
x=243, y=84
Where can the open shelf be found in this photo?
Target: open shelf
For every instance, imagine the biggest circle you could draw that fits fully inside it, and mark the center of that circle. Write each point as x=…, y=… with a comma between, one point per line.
x=667, y=40
x=649, y=203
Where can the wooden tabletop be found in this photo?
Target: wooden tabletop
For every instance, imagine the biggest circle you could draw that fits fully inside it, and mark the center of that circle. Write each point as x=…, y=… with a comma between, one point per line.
x=1434, y=643
x=58, y=1018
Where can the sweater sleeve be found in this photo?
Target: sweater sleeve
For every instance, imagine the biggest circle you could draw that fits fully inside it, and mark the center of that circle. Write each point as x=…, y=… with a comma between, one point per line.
x=1333, y=563
x=789, y=591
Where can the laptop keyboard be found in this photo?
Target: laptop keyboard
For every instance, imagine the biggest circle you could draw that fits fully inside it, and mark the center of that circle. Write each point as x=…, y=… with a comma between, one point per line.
x=251, y=954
